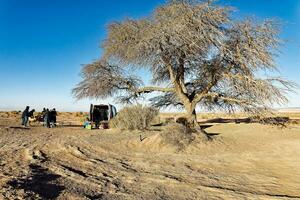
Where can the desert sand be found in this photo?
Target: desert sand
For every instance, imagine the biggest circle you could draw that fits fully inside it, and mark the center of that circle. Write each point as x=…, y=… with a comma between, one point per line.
x=243, y=161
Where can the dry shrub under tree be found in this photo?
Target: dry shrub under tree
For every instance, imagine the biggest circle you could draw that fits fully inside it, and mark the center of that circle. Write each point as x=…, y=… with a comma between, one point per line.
x=136, y=117
x=178, y=135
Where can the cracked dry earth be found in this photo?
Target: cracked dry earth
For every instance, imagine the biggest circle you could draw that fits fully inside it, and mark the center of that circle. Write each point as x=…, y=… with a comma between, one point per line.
x=247, y=161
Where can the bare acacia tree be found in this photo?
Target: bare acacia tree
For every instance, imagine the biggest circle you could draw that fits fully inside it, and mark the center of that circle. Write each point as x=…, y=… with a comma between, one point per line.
x=197, y=55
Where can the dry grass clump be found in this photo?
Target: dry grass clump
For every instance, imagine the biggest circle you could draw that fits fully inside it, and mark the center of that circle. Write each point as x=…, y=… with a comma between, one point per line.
x=136, y=117
x=178, y=135
x=294, y=122
x=3, y=114
x=79, y=114
x=182, y=120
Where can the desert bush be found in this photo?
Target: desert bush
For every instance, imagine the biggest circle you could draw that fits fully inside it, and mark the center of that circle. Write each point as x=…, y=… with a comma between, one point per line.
x=182, y=120
x=295, y=122
x=169, y=120
x=136, y=117
x=15, y=112
x=156, y=121
x=3, y=114
x=78, y=114
x=178, y=135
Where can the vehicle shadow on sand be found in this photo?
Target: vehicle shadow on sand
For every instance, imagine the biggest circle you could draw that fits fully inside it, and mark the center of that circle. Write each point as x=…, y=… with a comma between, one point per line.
x=41, y=181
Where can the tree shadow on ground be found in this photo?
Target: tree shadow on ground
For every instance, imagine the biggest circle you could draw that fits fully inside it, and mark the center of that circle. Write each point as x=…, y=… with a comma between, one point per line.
x=267, y=120
x=40, y=182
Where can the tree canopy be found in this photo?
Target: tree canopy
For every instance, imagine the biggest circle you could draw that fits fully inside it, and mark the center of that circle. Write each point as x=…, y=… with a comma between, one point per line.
x=197, y=55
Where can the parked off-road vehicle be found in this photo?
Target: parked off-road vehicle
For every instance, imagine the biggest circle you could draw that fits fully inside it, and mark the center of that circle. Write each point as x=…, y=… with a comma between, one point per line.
x=101, y=114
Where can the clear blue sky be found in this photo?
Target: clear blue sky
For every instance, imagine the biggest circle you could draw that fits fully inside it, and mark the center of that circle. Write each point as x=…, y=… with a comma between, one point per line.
x=44, y=42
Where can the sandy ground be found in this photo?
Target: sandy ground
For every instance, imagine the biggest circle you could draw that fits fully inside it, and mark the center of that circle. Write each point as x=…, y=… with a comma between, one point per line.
x=245, y=161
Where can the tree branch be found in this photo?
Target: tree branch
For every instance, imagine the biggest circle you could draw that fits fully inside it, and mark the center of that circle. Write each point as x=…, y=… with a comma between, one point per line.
x=200, y=95
x=228, y=99
x=178, y=88
x=150, y=89
x=180, y=73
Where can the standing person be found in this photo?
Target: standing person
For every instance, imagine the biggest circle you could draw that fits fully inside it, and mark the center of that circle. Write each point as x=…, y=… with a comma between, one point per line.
x=50, y=118
x=97, y=116
x=25, y=116
x=47, y=118
x=53, y=115
x=43, y=114
x=30, y=116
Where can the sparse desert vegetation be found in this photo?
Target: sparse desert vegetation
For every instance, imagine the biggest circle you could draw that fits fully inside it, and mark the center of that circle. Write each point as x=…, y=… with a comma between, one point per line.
x=136, y=117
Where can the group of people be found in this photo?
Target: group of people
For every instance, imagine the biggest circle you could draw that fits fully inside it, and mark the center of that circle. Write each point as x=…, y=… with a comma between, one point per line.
x=48, y=117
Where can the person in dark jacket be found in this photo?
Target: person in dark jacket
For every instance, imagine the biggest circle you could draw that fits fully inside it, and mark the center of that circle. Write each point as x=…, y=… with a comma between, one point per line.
x=97, y=117
x=53, y=116
x=25, y=116
x=43, y=114
x=47, y=118
x=30, y=114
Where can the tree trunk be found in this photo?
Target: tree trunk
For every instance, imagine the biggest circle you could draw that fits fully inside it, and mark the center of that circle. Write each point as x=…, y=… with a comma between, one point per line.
x=191, y=119
x=192, y=123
